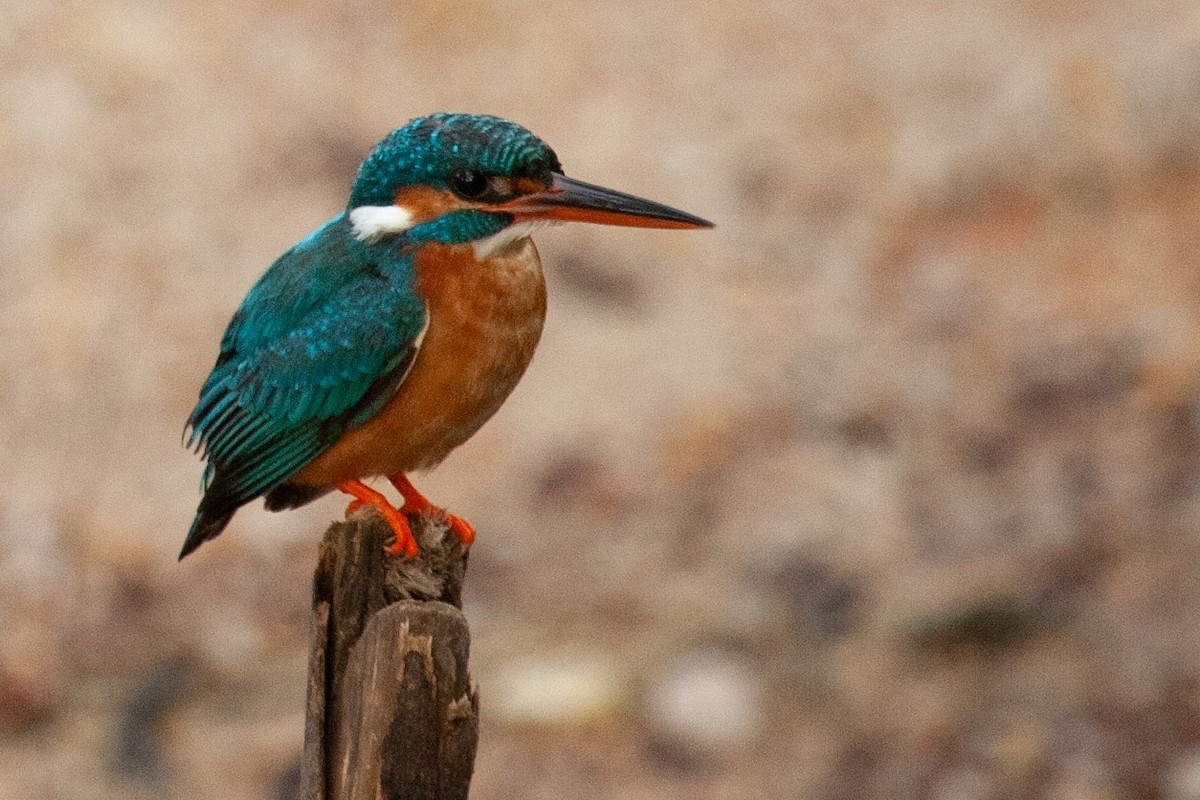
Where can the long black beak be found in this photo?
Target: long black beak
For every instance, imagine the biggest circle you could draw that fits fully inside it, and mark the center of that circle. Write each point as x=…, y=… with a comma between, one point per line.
x=569, y=200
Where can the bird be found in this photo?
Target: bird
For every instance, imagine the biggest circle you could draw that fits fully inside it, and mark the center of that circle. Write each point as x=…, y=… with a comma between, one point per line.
x=387, y=337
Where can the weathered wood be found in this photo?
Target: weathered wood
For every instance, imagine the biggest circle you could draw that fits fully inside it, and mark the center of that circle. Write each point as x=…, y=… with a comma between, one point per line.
x=312, y=770
x=391, y=710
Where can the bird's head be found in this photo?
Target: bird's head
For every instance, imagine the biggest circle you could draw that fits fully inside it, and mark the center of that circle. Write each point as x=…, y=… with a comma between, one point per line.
x=459, y=178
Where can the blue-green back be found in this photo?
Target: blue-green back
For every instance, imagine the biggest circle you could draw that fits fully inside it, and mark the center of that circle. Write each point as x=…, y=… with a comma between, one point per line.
x=315, y=347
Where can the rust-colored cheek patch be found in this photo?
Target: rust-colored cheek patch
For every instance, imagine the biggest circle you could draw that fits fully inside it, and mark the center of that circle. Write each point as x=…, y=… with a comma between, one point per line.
x=426, y=203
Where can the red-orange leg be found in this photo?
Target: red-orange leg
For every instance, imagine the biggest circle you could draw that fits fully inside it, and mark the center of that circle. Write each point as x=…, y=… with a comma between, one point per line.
x=365, y=495
x=415, y=503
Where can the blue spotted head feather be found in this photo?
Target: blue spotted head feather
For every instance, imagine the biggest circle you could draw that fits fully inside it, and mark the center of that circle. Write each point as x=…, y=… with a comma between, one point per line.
x=428, y=150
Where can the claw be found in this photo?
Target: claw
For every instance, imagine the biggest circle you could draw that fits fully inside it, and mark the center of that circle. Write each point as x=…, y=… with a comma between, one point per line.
x=416, y=503
x=464, y=530
x=405, y=543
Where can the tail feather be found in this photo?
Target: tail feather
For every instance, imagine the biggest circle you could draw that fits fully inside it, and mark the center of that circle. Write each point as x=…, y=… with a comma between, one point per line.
x=208, y=524
x=220, y=502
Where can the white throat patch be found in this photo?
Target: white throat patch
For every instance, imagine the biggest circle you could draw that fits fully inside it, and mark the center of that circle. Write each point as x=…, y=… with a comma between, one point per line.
x=489, y=246
x=372, y=222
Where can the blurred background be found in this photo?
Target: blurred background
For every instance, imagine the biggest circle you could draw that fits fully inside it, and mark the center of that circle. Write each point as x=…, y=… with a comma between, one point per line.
x=886, y=488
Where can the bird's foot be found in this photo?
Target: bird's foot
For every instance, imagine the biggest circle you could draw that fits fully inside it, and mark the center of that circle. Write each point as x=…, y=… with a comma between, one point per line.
x=364, y=495
x=416, y=503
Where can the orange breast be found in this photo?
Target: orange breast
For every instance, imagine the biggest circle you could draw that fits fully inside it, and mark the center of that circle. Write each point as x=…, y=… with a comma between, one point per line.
x=485, y=319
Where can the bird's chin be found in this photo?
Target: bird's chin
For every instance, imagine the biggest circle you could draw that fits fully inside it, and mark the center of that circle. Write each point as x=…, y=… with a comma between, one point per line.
x=508, y=240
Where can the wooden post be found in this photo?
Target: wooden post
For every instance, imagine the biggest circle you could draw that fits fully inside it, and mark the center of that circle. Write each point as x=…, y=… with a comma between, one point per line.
x=391, y=711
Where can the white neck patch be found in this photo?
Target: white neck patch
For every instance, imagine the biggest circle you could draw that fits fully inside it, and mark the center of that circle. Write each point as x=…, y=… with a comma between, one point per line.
x=372, y=222
x=489, y=246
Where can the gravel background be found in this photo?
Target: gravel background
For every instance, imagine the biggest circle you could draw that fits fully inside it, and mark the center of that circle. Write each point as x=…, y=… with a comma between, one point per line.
x=885, y=488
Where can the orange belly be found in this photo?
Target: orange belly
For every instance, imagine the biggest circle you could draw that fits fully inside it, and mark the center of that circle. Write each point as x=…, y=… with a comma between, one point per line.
x=485, y=319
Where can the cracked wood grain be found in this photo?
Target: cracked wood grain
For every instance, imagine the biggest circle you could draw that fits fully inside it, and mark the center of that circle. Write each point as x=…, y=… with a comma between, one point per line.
x=391, y=710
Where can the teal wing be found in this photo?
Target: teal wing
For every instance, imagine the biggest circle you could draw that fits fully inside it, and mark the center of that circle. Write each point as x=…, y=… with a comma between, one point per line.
x=300, y=364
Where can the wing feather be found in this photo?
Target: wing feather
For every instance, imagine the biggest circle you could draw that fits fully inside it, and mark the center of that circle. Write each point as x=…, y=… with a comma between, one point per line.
x=277, y=399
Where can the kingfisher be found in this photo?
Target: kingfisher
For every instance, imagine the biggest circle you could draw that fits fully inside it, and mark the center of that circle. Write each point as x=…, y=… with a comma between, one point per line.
x=385, y=339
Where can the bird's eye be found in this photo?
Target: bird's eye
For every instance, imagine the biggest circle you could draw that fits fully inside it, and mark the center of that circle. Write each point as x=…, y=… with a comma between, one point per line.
x=469, y=184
